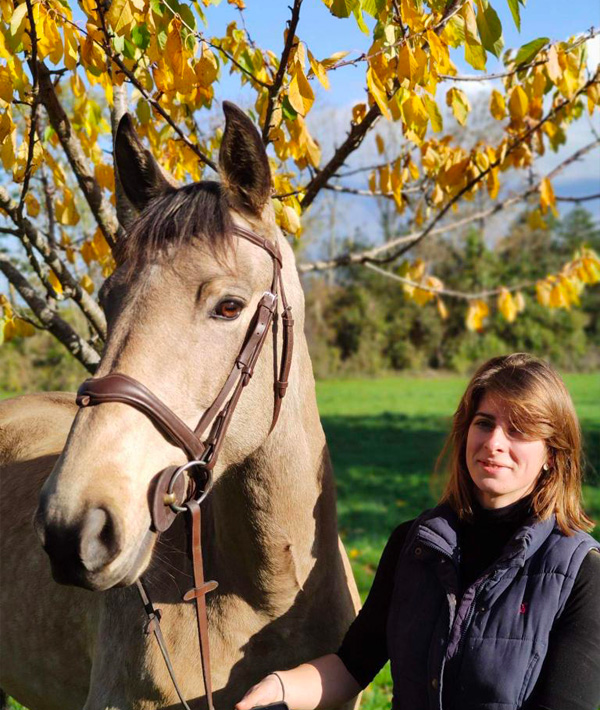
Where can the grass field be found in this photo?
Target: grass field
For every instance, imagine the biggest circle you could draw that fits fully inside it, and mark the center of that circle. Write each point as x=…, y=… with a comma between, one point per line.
x=384, y=436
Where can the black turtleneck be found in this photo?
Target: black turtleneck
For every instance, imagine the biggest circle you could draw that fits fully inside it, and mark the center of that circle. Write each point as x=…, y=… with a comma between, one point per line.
x=570, y=677
x=483, y=539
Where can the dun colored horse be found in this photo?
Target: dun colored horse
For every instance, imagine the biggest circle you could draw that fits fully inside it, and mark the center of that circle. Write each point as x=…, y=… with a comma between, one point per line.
x=178, y=307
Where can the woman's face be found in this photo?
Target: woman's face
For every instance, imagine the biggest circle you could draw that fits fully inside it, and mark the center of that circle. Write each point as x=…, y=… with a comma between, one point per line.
x=503, y=463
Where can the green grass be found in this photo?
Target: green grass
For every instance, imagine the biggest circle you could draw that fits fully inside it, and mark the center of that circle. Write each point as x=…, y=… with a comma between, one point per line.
x=384, y=436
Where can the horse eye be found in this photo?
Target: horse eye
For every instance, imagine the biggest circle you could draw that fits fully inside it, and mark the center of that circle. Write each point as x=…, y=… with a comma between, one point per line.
x=228, y=309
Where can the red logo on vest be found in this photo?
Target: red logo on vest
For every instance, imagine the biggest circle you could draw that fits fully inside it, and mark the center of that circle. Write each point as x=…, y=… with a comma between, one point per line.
x=523, y=608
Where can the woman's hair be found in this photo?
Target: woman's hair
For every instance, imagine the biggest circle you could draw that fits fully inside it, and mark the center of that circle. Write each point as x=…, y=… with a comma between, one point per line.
x=540, y=407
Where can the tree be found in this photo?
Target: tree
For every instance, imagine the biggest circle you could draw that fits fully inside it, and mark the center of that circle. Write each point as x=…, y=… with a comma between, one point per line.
x=67, y=75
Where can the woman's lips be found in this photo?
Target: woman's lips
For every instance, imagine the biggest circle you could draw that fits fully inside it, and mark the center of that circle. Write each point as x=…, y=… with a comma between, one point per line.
x=492, y=466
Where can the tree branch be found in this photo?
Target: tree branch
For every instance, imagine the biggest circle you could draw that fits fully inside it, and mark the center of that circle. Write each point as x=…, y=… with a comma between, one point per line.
x=587, y=198
x=28, y=231
x=49, y=318
x=410, y=239
x=466, y=296
x=101, y=208
x=275, y=87
x=34, y=108
x=471, y=183
x=368, y=193
x=358, y=131
x=355, y=137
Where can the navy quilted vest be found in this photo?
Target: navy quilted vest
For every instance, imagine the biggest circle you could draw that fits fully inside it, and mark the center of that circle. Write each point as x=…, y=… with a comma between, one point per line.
x=496, y=636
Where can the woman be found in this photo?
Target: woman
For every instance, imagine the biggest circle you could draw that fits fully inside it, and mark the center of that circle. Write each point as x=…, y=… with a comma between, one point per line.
x=492, y=599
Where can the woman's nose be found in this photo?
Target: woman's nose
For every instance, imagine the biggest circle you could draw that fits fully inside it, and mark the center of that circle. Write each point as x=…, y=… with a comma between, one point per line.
x=497, y=440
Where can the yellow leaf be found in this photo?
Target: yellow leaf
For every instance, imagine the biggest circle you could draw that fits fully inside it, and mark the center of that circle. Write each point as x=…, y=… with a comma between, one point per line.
x=23, y=329
x=87, y=252
x=553, y=65
x=558, y=297
x=318, y=70
x=407, y=66
x=460, y=104
x=49, y=40
x=6, y=125
x=300, y=93
x=71, y=55
x=9, y=330
x=333, y=59
x=439, y=52
x=105, y=176
x=518, y=103
x=434, y=113
x=476, y=314
x=380, y=143
x=507, y=305
x=359, y=111
x=542, y=290
x=120, y=16
x=8, y=150
x=547, y=198
x=65, y=209
x=100, y=245
x=184, y=78
x=519, y=302
x=475, y=53
x=33, y=206
x=411, y=15
x=378, y=92
x=442, y=310
x=6, y=85
x=206, y=68
x=20, y=166
x=54, y=282
x=87, y=283
x=373, y=182
x=497, y=105
x=290, y=221
x=415, y=116
x=413, y=168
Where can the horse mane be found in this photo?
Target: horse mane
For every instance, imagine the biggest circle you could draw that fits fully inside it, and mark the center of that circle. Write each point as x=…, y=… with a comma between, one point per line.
x=196, y=211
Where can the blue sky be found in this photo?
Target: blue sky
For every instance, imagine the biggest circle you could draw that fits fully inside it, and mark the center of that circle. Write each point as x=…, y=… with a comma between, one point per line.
x=329, y=119
x=325, y=34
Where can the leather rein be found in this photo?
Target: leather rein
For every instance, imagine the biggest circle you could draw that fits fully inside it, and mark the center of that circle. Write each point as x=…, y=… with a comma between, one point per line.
x=172, y=494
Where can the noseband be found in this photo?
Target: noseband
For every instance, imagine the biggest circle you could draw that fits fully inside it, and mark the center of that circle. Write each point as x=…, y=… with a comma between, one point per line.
x=171, y=495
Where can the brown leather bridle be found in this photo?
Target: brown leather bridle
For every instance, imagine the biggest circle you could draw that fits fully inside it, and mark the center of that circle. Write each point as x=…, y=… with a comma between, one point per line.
x=170, y=494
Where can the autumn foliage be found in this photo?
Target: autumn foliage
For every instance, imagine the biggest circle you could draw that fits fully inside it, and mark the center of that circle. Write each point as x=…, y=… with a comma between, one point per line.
x=68, y=72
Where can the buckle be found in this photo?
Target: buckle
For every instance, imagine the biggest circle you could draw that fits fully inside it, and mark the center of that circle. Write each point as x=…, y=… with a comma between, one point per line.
x=268, y=300
x=181, y=470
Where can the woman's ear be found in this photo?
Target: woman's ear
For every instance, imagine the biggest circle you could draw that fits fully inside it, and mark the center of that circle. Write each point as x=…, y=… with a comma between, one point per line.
x=141, y=176
x=243, y=161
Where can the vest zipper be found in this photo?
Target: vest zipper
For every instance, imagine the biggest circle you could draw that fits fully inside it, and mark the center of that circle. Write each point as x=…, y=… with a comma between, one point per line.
x=467, y=621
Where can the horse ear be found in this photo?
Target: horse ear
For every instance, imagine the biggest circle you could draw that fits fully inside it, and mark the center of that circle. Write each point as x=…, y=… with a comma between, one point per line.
x=140, y=175
x=243, y=162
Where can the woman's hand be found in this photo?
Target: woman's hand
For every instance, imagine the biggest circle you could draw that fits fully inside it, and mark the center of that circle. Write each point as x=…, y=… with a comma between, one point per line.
x=266, y=691
x=322, y=683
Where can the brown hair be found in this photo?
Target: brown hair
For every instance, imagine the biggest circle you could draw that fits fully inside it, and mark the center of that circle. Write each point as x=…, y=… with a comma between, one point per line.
x=540, y=407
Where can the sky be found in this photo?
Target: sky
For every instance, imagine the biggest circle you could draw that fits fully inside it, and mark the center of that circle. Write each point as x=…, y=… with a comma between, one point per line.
x=329, y=118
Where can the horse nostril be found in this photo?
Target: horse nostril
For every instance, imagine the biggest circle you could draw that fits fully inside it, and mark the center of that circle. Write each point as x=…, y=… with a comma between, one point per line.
x=100, y=539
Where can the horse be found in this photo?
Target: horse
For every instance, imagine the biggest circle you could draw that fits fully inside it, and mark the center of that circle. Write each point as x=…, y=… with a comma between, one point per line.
x=75, y=480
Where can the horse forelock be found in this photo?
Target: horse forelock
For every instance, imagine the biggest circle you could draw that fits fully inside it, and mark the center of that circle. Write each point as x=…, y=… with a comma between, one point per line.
x=197, y=211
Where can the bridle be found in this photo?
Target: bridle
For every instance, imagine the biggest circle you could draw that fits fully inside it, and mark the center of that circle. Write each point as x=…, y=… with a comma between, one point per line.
x=170, y=494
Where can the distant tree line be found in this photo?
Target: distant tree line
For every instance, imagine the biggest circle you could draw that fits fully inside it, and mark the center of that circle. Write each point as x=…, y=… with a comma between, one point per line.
x=364, y=324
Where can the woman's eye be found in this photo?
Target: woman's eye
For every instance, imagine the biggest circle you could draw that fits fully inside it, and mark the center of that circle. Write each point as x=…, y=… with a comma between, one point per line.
x=228, y=309
x=483, y=424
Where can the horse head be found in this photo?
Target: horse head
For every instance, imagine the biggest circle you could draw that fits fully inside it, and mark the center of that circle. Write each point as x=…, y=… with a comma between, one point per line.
x=179, y=307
